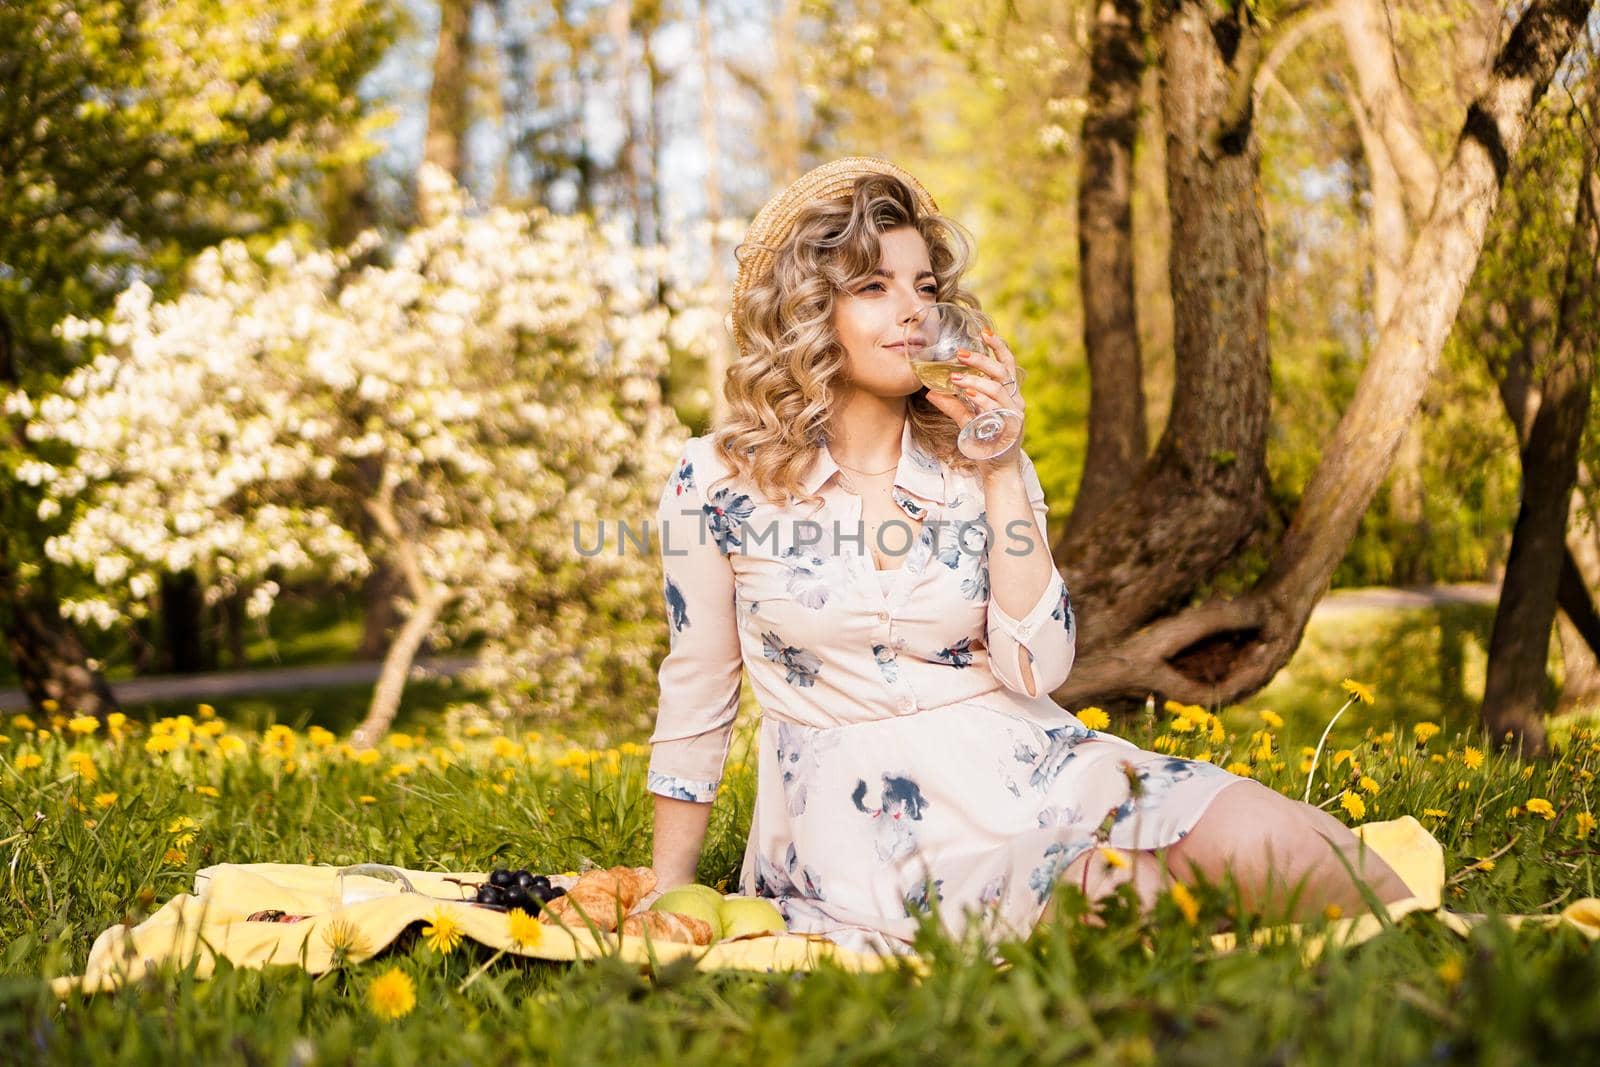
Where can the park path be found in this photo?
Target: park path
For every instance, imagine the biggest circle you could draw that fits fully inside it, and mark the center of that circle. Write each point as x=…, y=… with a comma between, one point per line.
x=225, y=684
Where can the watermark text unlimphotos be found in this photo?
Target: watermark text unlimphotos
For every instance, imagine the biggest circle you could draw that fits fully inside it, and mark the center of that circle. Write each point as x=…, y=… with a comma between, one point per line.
x=895, y=537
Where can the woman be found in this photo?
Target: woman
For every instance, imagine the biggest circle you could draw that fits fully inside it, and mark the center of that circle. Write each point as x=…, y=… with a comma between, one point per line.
x=898, y=613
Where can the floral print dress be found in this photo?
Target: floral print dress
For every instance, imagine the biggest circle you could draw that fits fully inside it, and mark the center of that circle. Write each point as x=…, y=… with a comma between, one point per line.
x=903, y=760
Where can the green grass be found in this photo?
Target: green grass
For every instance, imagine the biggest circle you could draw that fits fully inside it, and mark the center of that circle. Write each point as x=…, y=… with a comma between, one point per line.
x=1144, y=989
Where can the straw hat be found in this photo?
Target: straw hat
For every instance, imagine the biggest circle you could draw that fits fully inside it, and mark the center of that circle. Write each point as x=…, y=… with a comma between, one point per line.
x=775, y=222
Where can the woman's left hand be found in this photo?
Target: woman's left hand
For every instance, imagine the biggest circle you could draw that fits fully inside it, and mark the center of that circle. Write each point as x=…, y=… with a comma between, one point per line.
x=990, y=381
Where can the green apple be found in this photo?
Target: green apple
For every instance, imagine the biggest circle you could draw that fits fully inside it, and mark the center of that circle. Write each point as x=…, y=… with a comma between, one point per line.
x=697, y=901
x=747, y=916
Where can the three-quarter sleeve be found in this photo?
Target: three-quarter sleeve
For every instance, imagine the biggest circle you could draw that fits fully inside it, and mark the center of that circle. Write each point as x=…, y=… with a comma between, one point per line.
x=700, y=676
x=1046, y=637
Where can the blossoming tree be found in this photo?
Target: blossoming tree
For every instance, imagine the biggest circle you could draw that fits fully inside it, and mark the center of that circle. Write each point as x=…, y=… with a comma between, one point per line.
x=462, y=408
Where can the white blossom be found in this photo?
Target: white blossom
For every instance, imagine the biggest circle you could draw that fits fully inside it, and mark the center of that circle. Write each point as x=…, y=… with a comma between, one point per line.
x=496, y=371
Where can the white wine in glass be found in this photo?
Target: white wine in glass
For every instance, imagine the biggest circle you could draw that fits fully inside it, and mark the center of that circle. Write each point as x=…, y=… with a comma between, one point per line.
x=934, y=337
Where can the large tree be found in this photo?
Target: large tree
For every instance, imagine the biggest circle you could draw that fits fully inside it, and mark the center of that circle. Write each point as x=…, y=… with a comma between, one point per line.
x=1136, y=567
x=132, y=134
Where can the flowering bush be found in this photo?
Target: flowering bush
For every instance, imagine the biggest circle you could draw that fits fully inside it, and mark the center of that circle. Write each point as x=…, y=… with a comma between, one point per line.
x=455, y=408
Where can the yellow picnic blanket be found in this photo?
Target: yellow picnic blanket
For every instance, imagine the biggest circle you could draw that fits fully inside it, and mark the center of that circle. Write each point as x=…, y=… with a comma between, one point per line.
x=354, y=917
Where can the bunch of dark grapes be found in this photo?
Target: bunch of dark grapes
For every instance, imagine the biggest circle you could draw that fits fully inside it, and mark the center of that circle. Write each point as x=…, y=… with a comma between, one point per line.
x=517, y=889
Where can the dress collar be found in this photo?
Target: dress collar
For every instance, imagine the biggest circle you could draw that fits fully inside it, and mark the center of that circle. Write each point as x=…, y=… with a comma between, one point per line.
x=918, y=473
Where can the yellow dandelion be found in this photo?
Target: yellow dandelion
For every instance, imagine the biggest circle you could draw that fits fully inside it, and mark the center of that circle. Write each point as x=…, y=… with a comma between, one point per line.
x=525, y=930
x=1435, y=813
x=1341, y=756
x=1359, y=690
x=1186, y=902
x=229, y=746
x=28, y=761
x=392, y=994
x=1425, y=732
x=160, y=744
x=1368, y=785
x=1584, y=824
x=1332, y=912
x=90, y=824
x=1472, y=758
x=182, y=830
x=1237, y=768
x=1484, y=865
x=49, y=705
x=83, y=764
x=206, y=711
x=367, y=757
x=443, y=934
x=83, y=724
x=208, y=791
x=1450, y=973
x=368, y=798
x=174, y=857
x=104, y=800
x=23, y=722
x=1352, y=803
x=1527, y=772
x=1272, y=718
x=320, y=736
x=505, y=748
x=1093, y=718
x=1541, y=806
x=1113, y=857
x=499, y=789
x=1181, y=726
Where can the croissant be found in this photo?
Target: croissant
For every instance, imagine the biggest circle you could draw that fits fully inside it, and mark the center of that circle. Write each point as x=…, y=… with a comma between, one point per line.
x=601, y=897
x=668, y=926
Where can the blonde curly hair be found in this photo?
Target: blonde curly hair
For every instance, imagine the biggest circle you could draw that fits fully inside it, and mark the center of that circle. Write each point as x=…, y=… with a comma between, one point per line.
x=782, y=387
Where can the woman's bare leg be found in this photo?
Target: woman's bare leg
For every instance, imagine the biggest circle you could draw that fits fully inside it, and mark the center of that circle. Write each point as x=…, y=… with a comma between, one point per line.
x=1283, y=854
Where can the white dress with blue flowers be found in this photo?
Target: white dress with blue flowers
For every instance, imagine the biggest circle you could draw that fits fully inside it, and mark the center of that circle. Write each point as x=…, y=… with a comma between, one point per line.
x=903, y=761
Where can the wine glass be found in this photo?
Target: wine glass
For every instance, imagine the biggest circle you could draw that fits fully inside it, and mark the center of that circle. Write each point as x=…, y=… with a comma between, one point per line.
x=933, y=337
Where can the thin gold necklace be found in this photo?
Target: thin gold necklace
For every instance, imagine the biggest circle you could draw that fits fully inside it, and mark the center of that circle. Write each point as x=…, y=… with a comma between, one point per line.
x=869, y=474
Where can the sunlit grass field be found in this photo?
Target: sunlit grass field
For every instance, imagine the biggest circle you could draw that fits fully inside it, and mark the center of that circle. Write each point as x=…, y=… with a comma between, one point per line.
x=103, y=825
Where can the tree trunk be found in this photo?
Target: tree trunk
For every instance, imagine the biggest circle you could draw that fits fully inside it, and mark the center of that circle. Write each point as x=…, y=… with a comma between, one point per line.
x=1117, y=442
x=50, y=661
x=1223, y=650
x=183, y=625
x=447, y=97
x=1519, y=646
x=381, y=616
x=1201, y=493
x=719, y=357
x=786, y=137
x=396, y=669
x=1365, y=25
x=619, y=23
x=1389, y=232
x=427, y=602
x=655, y=134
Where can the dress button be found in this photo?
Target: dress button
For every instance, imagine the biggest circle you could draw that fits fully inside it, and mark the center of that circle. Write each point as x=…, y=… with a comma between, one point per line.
x=1024, y=630
x=883, y=616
